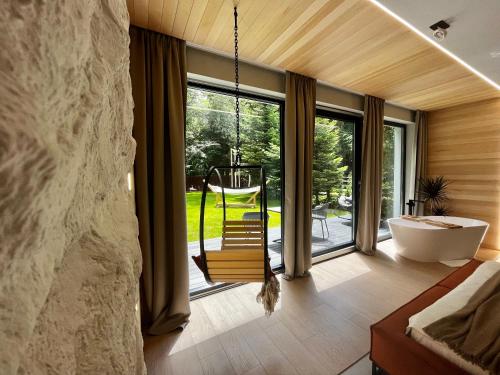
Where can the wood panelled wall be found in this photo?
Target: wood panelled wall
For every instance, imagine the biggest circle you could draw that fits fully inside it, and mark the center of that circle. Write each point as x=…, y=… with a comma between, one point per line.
x=464, y=146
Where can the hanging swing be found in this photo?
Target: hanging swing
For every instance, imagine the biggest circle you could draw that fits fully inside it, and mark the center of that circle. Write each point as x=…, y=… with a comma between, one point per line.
x=242, y=252
x=242, y=256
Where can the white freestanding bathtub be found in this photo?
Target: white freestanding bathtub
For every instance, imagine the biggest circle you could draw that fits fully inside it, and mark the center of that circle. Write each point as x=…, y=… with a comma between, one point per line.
x=428, y=243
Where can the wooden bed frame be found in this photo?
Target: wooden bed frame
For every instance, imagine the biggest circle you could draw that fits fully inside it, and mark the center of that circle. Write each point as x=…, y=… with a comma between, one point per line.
x=394, y=353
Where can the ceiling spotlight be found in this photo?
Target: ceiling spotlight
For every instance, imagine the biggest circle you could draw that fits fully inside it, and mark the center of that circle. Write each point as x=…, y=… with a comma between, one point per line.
x=439, y=30
x=439, y=33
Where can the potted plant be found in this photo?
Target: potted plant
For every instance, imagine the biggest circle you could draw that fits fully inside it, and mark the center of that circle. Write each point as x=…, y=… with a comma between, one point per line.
x=432, y=190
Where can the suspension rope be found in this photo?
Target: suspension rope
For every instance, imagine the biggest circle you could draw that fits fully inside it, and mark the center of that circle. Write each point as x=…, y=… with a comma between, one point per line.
x=237, y=160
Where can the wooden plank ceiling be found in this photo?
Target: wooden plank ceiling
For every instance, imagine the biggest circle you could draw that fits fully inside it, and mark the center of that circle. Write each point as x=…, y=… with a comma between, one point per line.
x=348, y=43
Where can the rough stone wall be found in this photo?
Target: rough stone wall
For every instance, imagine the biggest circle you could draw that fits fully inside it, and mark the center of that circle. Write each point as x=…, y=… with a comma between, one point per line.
x=69, y=254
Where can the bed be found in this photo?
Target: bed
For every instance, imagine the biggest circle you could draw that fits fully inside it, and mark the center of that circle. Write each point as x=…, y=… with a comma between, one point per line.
x=395, y=352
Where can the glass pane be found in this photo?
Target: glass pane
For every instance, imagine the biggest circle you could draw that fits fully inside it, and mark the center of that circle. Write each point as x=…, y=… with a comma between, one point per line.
x=333, y=165
x=211, y=140
x=392, y=180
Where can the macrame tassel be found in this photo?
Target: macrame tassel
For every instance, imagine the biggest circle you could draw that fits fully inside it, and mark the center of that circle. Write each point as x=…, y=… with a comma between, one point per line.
x=269, y=294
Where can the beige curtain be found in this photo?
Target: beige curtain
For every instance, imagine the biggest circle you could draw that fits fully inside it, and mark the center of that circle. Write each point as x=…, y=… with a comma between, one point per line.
x=300, y=110
x=421, y=159
x=370, y=199
x=159, y=88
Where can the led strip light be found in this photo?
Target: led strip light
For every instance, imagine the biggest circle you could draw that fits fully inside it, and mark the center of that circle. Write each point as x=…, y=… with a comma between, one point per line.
x=437, y=45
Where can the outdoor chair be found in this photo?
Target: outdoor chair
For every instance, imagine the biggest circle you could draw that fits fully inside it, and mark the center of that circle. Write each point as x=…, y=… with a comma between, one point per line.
x=321, y=213
x=345, y=203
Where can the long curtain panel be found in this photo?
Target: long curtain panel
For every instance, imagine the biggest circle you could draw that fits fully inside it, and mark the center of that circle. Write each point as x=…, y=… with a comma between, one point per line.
x=421, y=155
x=370, y=200
x=300, y=110
x=159, y=88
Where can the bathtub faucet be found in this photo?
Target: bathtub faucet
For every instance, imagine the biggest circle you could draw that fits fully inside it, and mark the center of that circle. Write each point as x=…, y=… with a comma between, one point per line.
x=411, y=205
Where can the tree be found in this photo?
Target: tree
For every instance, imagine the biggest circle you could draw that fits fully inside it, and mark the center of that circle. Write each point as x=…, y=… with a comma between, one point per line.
x=261, y=140
x=220, y=128
x=345, y=143
x=209, y=130
x=328, y=168
x=211, y=134
x=388, y=172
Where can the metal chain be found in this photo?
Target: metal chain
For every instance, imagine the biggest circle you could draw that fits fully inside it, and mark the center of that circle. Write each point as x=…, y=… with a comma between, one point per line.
x=237, y=161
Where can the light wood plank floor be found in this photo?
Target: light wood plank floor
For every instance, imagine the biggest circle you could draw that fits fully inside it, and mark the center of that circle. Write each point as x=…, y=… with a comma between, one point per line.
x=321, y=325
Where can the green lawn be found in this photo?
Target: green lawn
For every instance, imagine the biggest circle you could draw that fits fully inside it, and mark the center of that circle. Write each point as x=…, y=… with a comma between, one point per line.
x=337, y=213
x=214, y=215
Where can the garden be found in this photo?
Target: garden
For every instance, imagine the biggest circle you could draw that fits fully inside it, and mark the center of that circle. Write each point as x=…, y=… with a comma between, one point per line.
x=210, y=140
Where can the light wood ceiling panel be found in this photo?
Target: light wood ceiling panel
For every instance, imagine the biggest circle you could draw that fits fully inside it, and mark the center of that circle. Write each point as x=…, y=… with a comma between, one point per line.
x=348, y=43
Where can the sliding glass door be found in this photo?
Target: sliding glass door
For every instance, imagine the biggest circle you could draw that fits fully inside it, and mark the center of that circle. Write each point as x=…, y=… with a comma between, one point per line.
x=333, y=181
x=210, y=140
x=393, y=178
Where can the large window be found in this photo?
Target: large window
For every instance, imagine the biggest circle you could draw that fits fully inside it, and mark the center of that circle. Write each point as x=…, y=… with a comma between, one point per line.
x=393, y=174
x=333, y=182
x=210, y=140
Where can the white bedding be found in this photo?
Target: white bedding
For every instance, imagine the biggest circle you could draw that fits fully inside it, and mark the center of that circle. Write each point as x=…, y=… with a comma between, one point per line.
x=448, y=304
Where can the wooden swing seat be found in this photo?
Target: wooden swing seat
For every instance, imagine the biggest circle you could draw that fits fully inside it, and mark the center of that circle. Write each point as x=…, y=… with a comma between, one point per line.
x=241, y=258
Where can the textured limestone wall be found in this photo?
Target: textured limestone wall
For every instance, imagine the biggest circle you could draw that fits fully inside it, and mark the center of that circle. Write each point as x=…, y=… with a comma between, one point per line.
x=69, y=255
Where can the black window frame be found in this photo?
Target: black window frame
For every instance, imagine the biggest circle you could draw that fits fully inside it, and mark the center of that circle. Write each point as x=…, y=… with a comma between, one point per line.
x=356, y=176
x=330, y=113
x=403, y=167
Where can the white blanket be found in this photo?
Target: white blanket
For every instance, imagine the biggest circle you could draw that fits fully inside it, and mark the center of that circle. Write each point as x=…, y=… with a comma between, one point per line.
x=447, y=305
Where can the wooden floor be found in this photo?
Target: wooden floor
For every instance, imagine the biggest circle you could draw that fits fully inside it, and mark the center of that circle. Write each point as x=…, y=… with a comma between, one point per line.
x=321, y=325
